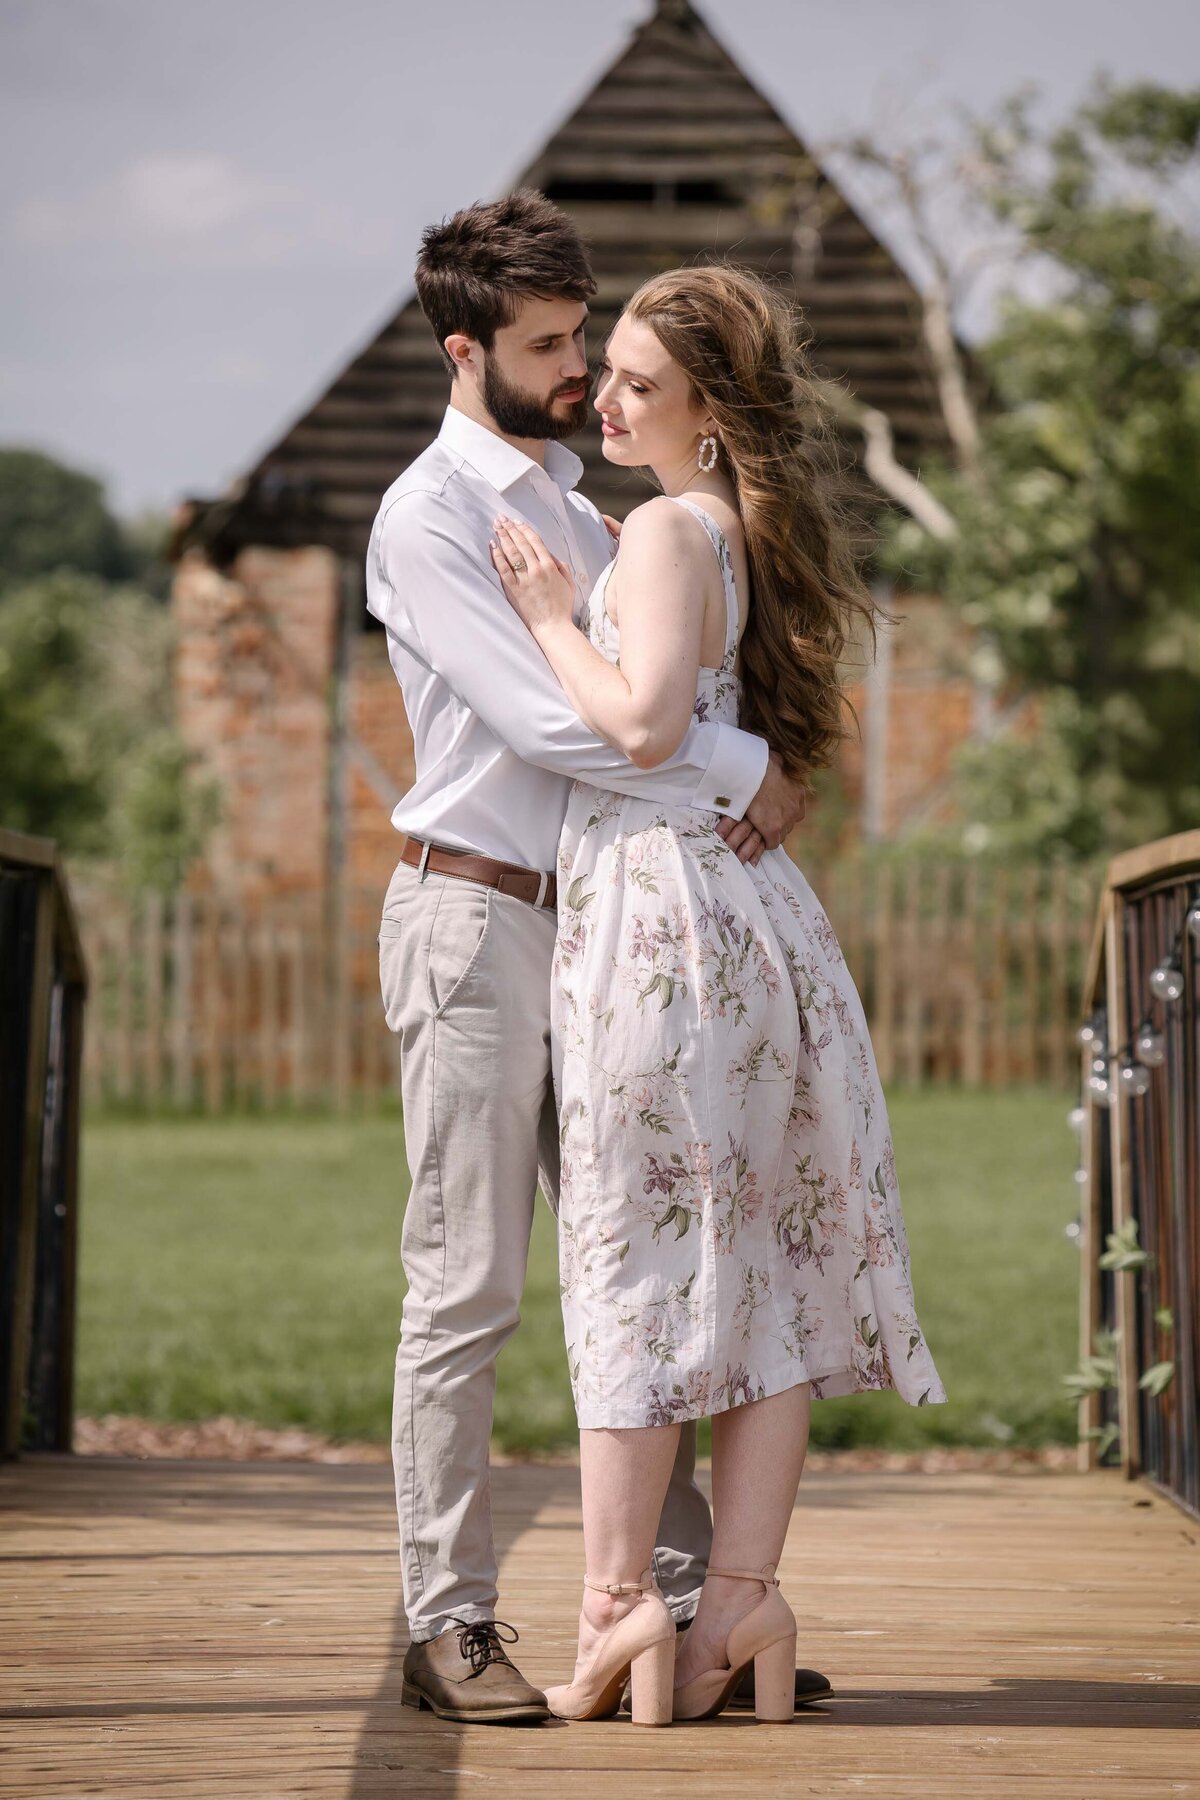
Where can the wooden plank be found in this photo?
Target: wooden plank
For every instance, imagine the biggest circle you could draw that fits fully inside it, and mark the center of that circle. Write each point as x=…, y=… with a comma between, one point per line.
x=912, y=987
x=998, y=945
x=340, y=1002
x=1030, y=929
x=1122, y=1194
x=1060, y=1023
x=210, y=945
x=973, y=1017
x=268, y=1015
x=297, y=1002
x=241, y=1005
x=1091, y=1248
x=19, y=1325
x=882, y=1026
x=233, y=1632
x=73, y=1032
x=1163, y=860
x=152, y=965
x=946, y=977
x=183, y=996
x=124, y=1059
x=26, y=850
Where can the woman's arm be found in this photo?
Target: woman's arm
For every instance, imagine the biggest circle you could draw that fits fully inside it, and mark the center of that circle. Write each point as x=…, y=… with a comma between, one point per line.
x=666, y=568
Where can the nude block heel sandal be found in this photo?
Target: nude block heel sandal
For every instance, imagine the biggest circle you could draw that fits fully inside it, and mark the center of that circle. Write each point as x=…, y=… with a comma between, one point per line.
x=775, y=1680
x=766, y=1637
x=652, y=1683
x=640, y=1648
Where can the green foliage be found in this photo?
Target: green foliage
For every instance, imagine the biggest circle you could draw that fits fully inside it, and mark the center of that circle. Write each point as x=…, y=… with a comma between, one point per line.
x=52, y=517
x=1077, y=554
x=1157, y=1378
x=88, y=750
x=1097, y=1371
x=87, y=744
x=1123, y=1250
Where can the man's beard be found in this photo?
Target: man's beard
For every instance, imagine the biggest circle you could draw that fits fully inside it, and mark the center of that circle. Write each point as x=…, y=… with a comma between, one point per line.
x=523, y=415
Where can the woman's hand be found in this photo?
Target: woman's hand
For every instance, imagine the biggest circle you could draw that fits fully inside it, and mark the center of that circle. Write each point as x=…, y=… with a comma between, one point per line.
x=539, y=587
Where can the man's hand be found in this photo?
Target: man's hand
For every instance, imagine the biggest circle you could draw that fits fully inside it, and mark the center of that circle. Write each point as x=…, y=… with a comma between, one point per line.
x=777, y=808
x=741, y=836
x=614, y=527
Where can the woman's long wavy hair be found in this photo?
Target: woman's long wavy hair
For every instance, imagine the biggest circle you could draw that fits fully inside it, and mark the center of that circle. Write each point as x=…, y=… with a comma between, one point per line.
x=737, y=341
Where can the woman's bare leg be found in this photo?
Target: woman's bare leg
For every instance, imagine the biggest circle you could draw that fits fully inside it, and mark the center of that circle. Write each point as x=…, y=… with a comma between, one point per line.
x=624, y=1476
x=758, y=1457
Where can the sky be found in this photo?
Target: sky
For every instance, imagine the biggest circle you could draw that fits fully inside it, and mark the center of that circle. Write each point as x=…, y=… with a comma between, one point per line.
x=205, y=210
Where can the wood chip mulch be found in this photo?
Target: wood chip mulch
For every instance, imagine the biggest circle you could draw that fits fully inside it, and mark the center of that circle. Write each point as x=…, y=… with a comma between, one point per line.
x=236, y=1440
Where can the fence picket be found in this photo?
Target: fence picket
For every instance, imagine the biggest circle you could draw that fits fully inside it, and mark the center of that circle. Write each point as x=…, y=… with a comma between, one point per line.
x=182, y=1001
x=968, y=973
x=211, y=956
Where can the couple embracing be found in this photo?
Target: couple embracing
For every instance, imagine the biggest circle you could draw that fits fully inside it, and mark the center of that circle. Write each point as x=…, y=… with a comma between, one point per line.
x=603, y=968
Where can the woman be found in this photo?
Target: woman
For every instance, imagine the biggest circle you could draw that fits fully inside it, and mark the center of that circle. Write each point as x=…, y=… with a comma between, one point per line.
x=731, y=1236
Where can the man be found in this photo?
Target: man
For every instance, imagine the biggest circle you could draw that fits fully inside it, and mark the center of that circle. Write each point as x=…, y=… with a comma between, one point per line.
x=468, y=926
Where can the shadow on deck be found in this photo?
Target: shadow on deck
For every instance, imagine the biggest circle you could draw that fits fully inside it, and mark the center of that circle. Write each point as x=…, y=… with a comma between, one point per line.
x=203, y=1630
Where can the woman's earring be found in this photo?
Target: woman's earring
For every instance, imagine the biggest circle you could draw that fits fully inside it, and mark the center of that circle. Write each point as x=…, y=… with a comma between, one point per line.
x=707, y=458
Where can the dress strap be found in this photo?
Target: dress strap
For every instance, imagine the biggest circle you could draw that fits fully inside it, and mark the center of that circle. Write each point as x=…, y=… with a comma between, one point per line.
x=720, y=544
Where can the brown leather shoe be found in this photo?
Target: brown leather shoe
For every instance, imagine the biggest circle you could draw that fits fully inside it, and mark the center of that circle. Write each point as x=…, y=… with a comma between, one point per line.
x=464, y=1674
x=810, y=1686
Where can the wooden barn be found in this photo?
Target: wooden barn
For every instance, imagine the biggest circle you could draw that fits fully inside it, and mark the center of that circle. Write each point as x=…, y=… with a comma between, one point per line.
x=285, y=691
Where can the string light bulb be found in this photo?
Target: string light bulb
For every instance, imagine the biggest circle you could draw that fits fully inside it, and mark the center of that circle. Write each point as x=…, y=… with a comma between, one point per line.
x=1100, y=1091
x=1134, y=1079
x=1166, y=982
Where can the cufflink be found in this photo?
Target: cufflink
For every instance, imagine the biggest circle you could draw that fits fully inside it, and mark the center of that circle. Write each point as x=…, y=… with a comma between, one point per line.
x=723, y=800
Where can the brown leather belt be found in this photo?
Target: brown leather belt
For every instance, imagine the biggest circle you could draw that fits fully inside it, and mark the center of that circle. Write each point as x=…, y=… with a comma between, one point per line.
x=509, y=878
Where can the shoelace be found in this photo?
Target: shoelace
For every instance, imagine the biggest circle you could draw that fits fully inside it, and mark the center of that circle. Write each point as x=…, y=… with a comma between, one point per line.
x=483, y=1642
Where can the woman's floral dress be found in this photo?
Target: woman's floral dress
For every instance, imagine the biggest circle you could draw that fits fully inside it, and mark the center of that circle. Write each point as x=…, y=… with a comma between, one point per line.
x=729, y=1218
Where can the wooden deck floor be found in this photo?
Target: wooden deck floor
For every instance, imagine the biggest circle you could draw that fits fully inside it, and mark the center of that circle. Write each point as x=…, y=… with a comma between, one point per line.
x=184, y=1631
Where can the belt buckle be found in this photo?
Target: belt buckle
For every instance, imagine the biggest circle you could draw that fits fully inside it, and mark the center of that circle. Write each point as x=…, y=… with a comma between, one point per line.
x=543, y=884
x=424, y=859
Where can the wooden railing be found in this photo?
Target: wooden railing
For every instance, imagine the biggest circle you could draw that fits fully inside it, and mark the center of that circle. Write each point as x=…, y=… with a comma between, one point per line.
x=969, y=975
x=42, y=989
x=1140, y=1224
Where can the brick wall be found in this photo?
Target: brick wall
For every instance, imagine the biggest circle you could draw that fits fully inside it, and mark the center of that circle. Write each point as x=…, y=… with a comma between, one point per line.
x=253, y=664
x=254, y=671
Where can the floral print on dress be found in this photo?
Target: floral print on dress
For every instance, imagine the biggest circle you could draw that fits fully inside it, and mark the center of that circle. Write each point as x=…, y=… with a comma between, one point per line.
x=729, y=1215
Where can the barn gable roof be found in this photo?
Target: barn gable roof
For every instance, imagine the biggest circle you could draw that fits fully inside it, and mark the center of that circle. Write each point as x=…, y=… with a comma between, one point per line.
x=674, y=156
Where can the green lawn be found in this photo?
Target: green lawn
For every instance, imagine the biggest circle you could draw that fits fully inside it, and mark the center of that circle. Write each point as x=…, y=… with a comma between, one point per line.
x=251, y=1266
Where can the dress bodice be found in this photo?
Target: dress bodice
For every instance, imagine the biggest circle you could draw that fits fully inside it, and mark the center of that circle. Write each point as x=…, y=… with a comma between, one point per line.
x=717, y=690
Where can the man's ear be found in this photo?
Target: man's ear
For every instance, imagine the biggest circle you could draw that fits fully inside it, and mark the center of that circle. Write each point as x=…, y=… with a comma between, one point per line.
x=463, y=351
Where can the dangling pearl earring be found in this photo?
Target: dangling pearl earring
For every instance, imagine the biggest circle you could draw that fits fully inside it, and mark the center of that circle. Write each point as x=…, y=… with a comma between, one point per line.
x=708, y=449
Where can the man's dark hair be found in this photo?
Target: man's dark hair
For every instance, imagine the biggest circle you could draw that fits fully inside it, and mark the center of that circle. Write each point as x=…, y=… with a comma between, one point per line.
x=476, y=268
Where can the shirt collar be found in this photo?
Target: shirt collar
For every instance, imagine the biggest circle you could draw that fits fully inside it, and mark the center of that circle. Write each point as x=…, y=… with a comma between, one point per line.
x=500, y=462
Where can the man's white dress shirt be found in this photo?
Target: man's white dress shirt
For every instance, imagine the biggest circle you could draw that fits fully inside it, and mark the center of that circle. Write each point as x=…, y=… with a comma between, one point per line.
x=497, y=741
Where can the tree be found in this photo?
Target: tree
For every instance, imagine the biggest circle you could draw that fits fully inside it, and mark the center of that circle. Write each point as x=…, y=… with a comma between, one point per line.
x=1069, y=531
x=53, y=517
x=88, y=747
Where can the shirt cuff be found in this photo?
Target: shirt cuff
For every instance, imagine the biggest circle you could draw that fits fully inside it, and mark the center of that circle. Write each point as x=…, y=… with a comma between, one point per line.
x=735, y=772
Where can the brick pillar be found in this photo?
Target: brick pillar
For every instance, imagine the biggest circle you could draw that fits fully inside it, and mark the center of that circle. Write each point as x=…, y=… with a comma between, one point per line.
x=253, y=663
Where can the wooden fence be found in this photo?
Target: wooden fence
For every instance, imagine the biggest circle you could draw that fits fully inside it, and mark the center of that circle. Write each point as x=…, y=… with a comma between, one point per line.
x=970, y=975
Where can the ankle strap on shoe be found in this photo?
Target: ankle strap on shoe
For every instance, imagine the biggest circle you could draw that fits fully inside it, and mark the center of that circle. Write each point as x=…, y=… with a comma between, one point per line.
x=647, y=1585
x=766, y=1574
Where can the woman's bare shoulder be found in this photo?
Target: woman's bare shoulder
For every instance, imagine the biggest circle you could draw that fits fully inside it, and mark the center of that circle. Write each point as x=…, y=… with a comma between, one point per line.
x=661, y=523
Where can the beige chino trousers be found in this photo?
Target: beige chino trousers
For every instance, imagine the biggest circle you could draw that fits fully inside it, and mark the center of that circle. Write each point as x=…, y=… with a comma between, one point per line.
x=465, y=974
